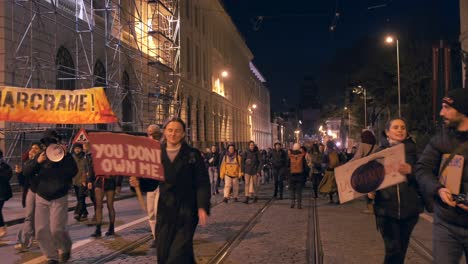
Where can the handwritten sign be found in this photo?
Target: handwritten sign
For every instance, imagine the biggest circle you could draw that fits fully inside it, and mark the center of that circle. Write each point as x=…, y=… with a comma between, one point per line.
x=122, y=154
x=390, y=158
x=82, y=106
x=452, y=175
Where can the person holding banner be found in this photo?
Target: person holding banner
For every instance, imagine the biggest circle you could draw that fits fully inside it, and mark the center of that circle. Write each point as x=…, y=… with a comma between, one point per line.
x=150, y=186
x=397, y=208
x=54, y=179
x=450, y=228
x=184, y=196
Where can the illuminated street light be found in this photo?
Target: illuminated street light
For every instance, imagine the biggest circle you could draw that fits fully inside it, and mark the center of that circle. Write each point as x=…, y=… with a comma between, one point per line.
x=254, y=106
x=224, y=74
x=390, y=40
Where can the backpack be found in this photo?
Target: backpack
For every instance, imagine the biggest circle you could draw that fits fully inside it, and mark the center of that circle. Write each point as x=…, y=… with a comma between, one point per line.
x=297, y=163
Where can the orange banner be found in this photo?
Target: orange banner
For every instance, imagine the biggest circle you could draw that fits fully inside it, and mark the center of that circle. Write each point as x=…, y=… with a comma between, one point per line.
x=28, y=105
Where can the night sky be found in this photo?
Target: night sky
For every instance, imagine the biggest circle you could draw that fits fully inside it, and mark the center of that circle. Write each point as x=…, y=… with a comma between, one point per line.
x=294, y=38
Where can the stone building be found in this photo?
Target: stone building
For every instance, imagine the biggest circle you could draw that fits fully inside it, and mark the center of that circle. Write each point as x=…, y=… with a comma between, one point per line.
x=464, y=38
x=154, y=58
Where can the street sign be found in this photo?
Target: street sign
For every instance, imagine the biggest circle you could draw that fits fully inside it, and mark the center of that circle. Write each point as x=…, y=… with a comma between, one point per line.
x=81, y=137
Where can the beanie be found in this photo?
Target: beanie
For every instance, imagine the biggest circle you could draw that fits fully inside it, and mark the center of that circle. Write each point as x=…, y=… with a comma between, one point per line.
x=458, y=99
x=368, y=137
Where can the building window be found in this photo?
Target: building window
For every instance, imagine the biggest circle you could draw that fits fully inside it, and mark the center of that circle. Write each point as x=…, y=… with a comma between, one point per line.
x=65, y=70
x=65, y=76
x=127, y=108
x=197, y=63
x=100, y=81
x=189, y=59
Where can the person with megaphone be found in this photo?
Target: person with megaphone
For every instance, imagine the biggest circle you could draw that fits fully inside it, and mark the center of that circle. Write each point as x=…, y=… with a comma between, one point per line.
x=53, y=171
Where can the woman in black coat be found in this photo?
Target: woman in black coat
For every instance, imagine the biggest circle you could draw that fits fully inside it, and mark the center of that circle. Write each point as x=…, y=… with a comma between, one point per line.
x=397, y=208
x=5, y=190
x=184, y=199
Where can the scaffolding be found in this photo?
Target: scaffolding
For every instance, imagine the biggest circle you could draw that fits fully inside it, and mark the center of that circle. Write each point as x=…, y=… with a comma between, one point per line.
x=110, y=43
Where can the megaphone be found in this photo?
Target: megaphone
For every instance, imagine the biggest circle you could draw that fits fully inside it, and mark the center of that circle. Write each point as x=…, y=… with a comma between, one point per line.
x=55, y=152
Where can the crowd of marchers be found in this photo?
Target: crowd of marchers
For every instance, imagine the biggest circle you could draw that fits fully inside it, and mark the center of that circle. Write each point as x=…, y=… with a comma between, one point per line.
x=177, y=205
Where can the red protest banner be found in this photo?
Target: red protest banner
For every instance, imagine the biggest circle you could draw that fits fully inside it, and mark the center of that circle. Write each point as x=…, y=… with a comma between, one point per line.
x=122, y=154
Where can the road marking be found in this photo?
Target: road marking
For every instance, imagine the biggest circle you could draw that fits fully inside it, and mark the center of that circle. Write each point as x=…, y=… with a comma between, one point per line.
x=83, y=242
x=427, y=217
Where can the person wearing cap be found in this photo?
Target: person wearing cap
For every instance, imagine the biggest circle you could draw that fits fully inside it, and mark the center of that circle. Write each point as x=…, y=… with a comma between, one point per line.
x=53, y=183
x=79, y=182
x=279, y=162
x=450, y=227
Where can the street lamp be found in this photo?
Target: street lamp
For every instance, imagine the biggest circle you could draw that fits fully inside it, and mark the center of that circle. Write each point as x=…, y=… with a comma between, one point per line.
x=349, y=121
x=361, y=90
x=390, y=40
x=224, y=74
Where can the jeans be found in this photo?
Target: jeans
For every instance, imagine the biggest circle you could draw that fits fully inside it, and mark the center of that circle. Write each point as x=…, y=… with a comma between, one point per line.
x=213, y=173
x=396, y=234
x=80, y=192
x=278, y=177
x=251, y=185
x=296, y=184
x=449, y=242
x=26, y=232
x=152, y=199
x=51, y=226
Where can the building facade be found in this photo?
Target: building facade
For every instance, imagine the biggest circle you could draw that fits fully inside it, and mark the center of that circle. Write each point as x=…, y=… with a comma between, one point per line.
x=155, y=59
x=464, y=39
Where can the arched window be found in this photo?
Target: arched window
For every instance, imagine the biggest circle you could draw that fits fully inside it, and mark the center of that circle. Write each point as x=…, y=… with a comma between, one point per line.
x=127, y=109
x=65, y=75
x=100, y=81
x=65, y=70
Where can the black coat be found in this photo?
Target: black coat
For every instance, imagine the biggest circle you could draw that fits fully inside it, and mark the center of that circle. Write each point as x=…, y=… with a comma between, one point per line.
x=401, y=201
x=427, y=171
x=186, y=189
x=5, y=175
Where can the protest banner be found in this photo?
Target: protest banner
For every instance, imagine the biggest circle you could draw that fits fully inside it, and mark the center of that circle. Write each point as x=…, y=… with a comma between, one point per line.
x=126, y=155
x=82, y=106
x=374, y=172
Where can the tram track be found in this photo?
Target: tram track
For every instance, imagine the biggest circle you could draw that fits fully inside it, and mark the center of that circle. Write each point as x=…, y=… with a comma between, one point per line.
x=314, y=246
x=223, y=253
x=421, y=249
x=129, y=248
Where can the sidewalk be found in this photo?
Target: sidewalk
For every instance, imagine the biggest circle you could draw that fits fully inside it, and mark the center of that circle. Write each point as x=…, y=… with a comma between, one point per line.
x=13, y=211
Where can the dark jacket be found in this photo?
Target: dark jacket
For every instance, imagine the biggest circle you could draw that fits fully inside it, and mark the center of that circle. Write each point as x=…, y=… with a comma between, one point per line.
x=186, y=189
x=148, y=185
x=279, y=159
x=5, y=175
x=252, y=162
x=53, y=178
x=400, y=201
x=427, y=171
x=215, y=162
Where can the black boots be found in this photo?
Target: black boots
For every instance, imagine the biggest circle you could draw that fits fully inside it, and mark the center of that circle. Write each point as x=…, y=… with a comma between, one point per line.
x=293, y=203
x=247, y=200
x=97, y=232
x=110, y=231
x=255, y=199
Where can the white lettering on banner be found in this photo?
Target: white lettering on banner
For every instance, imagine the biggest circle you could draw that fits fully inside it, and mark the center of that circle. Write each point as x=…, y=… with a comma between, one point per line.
x=144, y=154
x=148, y=169
x=118, y=166
x=110, y=151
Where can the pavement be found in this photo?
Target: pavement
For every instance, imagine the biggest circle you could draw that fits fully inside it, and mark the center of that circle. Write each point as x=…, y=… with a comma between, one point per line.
x=278, y=236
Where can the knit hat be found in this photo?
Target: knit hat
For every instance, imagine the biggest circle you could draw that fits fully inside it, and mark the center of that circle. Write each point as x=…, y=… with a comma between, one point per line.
x=368, y=137
x=77, y=145
x=458, y=99
x=50, y=136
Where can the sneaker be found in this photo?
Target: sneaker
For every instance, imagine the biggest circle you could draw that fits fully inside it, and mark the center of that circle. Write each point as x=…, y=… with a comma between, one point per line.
x=20, y=247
